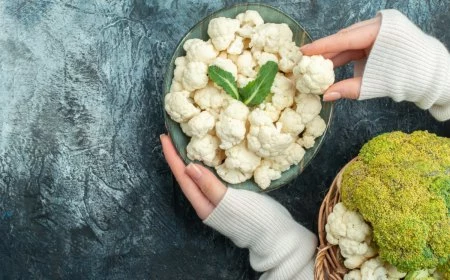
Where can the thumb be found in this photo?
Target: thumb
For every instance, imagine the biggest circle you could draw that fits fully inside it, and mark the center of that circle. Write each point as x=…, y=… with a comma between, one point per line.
x=349, y=88
x=208, y=183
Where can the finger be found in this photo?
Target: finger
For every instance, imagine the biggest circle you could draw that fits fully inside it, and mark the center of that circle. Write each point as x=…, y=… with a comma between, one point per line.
x=203, y=207
x=361, y=24
x=349, y=88
x=347, y=56
x=330, y=55
x=211, y=187
x=359, y=38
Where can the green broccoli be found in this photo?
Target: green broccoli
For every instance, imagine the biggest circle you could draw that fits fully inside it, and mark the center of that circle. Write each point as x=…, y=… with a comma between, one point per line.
x=400, y=183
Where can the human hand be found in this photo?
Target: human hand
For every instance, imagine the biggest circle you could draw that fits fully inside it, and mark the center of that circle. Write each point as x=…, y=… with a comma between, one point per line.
x=200, y=186
x=349, y=44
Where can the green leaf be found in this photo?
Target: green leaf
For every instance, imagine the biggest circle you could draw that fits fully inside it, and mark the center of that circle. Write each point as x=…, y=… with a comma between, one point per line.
x=256, y=91
x=224, y=79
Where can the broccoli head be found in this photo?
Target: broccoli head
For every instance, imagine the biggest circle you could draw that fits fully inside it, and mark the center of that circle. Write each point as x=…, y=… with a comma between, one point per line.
x=400, y=183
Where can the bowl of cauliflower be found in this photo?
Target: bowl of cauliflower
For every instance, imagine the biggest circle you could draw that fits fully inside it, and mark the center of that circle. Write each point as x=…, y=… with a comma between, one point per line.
x=240, y=97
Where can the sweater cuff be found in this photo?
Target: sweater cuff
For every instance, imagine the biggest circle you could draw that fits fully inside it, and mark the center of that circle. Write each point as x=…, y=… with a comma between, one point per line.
x=408, y=65
x=277, y=243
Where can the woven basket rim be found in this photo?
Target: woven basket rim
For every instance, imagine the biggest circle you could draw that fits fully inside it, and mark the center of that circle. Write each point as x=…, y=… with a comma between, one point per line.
x=329, y=263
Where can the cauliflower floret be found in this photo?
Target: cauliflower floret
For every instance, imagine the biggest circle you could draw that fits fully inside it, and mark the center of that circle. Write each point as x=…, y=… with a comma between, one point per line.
x=237, y=46
x=262, y=57
x=353, y=235
x=205, y=149
x=223, y=54
x=353, y=275
x=283, y=92
x=222, y=31
x=314, y=74
x=227, y=65
x=250, y=17
x=290, y=55
x=393, y=273
x=242, y=80
x=195, y=76
x=186, y=129
x=270, y=110
x=234, y=58
x=306, y=141
x=373, y=269
x=245, y=64
x=271, y=36
x=264, y=138
x=199, y=51
x=264, y=174
x=176, y=86
x=231, y=125
x=291, y=122
x=201, y=124
x=241, y=158
x=232, y=176
x=308, y=106
x=180, y=65
x=179, y=106
x=316, y=127
x=211, y=98
x=248, y=20
x=292, y=155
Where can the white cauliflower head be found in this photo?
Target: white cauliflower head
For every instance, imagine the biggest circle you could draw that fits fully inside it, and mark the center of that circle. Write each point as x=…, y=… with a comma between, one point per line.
x=265, y=174
x=373, y=269
x=316, y=127
x=199, y=51
x=232, y=176
x=290, y=55
x=179, y=106
x=263, y=57
x=180, y=65
x=237, y=46
x=264, y=138
x=283, y=92
x=292, y=155
x=231, y=127
x=222, y=31
x=271, y=36
x=353, y=275
x=306, y=141
x=176, y=86
x=205, y=149
x=242, y=80
x=291, y=122
x=227, y=65
x=195, y=76
x=314, y=74
x=211, y=98
x=270, y=110
x=241, y=158
x=246, y=64
x=353, y=235
x=308, y=106
x=201, y=124
x=250, y=17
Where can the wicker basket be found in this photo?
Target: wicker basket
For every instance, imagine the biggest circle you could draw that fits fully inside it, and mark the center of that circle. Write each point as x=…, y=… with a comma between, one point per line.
x=329, y=262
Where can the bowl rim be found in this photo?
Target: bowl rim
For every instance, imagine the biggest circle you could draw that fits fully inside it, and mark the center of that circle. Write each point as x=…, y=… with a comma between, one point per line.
x=172, y=61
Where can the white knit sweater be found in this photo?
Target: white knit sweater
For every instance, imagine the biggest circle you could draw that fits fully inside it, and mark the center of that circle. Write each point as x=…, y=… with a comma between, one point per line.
x=404, y=64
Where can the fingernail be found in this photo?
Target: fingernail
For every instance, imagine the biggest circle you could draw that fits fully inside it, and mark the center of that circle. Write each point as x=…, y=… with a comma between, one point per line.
x=193, y=171
x=331, y=96
x=161, y=136
x=304, y=47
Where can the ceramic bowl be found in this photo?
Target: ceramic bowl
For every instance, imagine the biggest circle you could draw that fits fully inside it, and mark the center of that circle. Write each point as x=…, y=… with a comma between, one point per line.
x=269, y=14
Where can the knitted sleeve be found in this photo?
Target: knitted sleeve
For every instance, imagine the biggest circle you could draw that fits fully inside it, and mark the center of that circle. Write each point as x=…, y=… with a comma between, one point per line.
x=278, y=245
x=408, y=65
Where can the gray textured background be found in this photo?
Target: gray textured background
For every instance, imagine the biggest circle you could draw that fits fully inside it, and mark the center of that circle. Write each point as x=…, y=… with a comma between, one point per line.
x=84, y=190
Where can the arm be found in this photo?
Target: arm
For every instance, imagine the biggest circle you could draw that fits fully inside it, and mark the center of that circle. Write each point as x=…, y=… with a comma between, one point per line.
x=395, y=58
x=408, y=65
x=278, y=245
